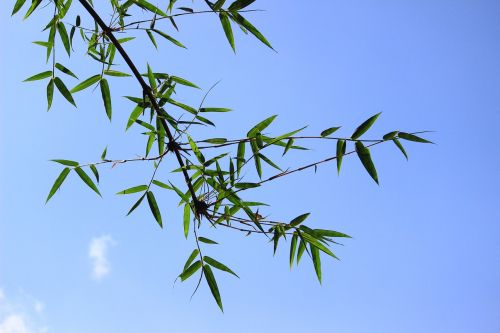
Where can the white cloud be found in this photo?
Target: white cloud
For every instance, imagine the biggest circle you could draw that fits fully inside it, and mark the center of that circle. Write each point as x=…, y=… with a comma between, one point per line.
x=39, y=306
x=14, y=323
x=97, y=253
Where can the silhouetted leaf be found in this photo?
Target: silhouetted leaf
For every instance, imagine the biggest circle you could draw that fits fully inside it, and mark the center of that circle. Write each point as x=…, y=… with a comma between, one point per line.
x=365, y=126
x=366, y=160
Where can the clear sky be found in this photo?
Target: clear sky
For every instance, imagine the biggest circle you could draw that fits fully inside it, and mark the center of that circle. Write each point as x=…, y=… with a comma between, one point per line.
x=425, y=253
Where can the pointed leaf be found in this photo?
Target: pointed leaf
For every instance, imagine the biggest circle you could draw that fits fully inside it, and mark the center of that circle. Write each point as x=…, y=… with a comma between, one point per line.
x=212, y=284
x=341, y=147
x=226, y=25
x=154, y=208
x=215, y=264
x=190, y=259
x=365, y=126
x=87, y=83
x=65, y=70
x=206, y=240
x=316, y=261
x=260, y=126
x=329, y=131
x=366, y=160
x=190, y=270
x=39, y=76
x=59, y=180
x=138, y=202
x=134, y=115
x=299, y=219
x=293, y=249
x=50, y=94
x=411, y=137
x=86, y=179
x=135, y=189
x=106, y=97
x=187, y=219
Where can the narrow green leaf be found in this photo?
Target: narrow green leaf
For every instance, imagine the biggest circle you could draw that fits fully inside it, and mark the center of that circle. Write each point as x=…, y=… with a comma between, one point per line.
x=331, y=233
x=316, y=261
x=228, y=31
x=133, y=116
x=212, y=284
x=366, y=160
x=190, y=259
x=19, y=4
x=341, y=147
x=215, y=264
x=187, y=219
x=63, y=90
x=104, y=152
x=400, y=147
x=162, y=185
x=216, y=140
x=215, y=110
x=206, y=240
x=190, y=270
x=268, y=161
x=59, y=180
x=87, y=83
x=289, y=145
x=106, y=97
x=169, y=38
x=63, y=33
x=86, y=179
x=95, y=172
x=411, y=137
x=365, y=126
x=196, y=151
x=50, y=94
x=184, y=82
x=151, y=78
x=135, y=189
x=138, y=202
x=299, y=219
x=39, y=76
x=260, y=126
x=313, y=241
x=240, y=4
x=329, y=131
x=34, y=5
x=65, y=70
x=300, y=252
x=253, y=30
x=111, y=72
x=293, y=249
x=148, y=6
x=390, y=135
x=240, y=157
x=152, y=38
x=154, y=208
x=245, y=186
x=67, y=162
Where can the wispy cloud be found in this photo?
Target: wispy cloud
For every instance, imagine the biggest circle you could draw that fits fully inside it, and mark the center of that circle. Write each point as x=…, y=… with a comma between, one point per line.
x=14, y=323
x=16, y=317
x=98, y=255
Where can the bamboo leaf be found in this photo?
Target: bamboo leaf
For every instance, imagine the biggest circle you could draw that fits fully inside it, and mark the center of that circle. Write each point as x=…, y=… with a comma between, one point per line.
x=148, y=6
x=154, y=208
x=111, y=72
x=341, y=147
x=260, y=126
x=162, y=185
x=187, y=219
x=215, y=110
x=190, y=259
x=86, y=179
x=135, y=189
x=316, y=261
x=63, y=33
x=106, y=97
x=65, y=70
x=240, y=4
x=50, y=94
x=329, y=131
x=228, y=31
x=400, y=147
x=299, y=219
x=59, y=180
x=63, y=90
x=138, y=202
x=19, y=4
x=66, y=162
x=169, y=38
x=293, y=249
x=87, y=83
x=253, y=30
x=212, y=284
x=39, y=76
x=95, y=172
x=411, y=137
x=190, y=270
x=215, y=264
x=184, y=82
x=366, y=160
x=134, y=115
x=365, y=126
x=207, y=241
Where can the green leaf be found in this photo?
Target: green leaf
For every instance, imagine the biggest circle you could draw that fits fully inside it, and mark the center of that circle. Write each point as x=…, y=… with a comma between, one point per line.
x=400, y=147
x=64, y=37
x=289, y=145
x=111, y=72
x=162, y=185
x=253, y=30
x=86, y=179
x=331, y=233
x=196, y=151
x=390, y=135
x=87, y=83
x=65, y=70
x=212, y=284
x=206, y=240
x=106, y=97
x=104, y=152
x=133, y=116
x=192, y=256
x=94, y=171
x=60, y=179
x=135, y=189
x=67, y=162
x=293, y=249
x=411, y=137
x=39, y=76
x=169, y=38
x=313, y=241
x=63, y=90
x=216, y=140
x=366, y=160
x=300, y=252
x=138, y=202
x=148, y=6
x=341, y=147
x=152, y=38
x=329, y=131
x=151, y=78
x=215, y=264
x=190, y=270
x=215, y=110
x=187, y=219
x=50, y=94
x=365, y=126
x=316, y=261
x=154, y=208
x=34, y=5
x=260, y=126
x=271, y=163
x=184, y=82
x=245, y=186
x=299, y=219
x=19, y=4
x=240, y=4
x=240, y=157
x=226, y=25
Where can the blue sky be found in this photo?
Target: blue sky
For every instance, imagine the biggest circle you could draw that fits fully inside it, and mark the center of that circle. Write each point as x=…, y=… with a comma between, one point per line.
x=425, y=252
